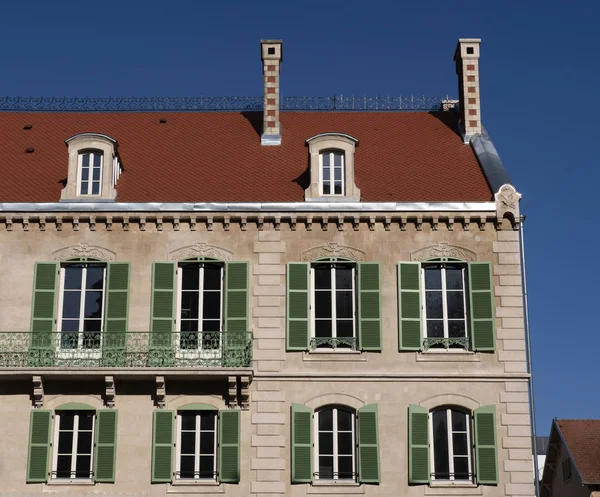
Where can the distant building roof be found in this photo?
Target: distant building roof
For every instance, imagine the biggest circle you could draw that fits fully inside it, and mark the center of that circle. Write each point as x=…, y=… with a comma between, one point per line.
x=582, y=437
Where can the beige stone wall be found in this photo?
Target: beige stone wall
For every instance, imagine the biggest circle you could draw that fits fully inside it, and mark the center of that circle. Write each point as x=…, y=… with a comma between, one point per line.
x=391, y=379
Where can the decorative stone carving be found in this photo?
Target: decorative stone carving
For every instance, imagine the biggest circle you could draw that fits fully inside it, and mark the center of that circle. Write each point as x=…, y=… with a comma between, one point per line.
x=333, y=250
x=201, y=249
x=161, y=392
x=245, y=392
x=83, y=250
x=38, y=392
x=444, y=249
x=109, y=391
x=507, y=202
x=232, y=391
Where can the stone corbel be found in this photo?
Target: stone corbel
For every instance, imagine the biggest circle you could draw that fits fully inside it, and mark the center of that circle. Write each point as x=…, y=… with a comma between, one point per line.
x=372, y=223
x=142, y=224
x=277, y=223
x=293, y=223
x=419, y=223
x=245, y=392
x=482, y=221
x=25, y=224
x=38, y=392
x=226, y=223
x=340, y=223
x=434, y=223
x=260, y=223
x=309, y=221
x=126, y=223
x=159, y=223
x=109, y=391
x=451, y=224
x=356, y=223
x=9, y=223
x=75, y=223
x=387, y=224
x=92, y=223
x=108, y=223
x=243, y=220
x=161, y=392
x=209, y=224
x=324, y=223
x=402, y=223
x=58, y=222
x=192, y=224
x=232, y=391
x=42, y=224
x=176, y=224
x=466, y=223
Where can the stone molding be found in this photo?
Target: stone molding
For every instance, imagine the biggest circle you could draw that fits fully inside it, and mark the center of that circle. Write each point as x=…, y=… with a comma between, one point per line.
x=335, y=399
x=507, y=203
x=200, y=249
x=443, y=249
x=179, y=401
x=54, y=401
x=453, y=399
x=333, y=250
x=83, y=250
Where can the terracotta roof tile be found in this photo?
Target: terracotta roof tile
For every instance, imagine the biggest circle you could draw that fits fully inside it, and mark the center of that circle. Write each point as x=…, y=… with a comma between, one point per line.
x=582, y=437
x=217, y=156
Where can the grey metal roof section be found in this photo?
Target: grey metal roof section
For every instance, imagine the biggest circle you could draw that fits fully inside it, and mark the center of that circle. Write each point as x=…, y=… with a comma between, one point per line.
x=490, y=161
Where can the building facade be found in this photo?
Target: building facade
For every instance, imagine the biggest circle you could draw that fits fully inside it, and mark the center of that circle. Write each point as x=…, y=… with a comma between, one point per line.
x=270, y=302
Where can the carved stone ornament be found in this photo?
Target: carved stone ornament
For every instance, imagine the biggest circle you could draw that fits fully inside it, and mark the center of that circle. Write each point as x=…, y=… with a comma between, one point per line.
x=444, y=249
x=83, y=250
x=507, y=201
x=201, y=249
x=333, y=250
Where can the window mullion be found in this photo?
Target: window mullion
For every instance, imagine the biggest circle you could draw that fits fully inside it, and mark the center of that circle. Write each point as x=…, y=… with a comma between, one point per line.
x=343, y=173
x=178, y=318
x=200, y=303
x=444, y=302
x=82, y=307
x=333, y=303
x=335, y=445
x=450, y=443
x=74, y=445
x=469, y=451
x=198, y=449
x=464, y=295
x=354, y=298
x=215, y=446
x=221, y=304
x=178, y=445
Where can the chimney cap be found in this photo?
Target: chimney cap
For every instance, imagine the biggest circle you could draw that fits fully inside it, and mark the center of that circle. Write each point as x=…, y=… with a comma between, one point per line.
x=461, y=48
x=271, y=50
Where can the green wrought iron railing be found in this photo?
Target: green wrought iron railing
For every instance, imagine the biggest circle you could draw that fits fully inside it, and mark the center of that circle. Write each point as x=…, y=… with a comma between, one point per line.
x=334, y=343
x=461, y=343
x=134, y=349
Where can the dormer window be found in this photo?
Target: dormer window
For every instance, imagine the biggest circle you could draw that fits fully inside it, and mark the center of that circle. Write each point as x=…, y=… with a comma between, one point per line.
x=332, y=172
x=331, y=157
x=90, y=172
x=93, y=170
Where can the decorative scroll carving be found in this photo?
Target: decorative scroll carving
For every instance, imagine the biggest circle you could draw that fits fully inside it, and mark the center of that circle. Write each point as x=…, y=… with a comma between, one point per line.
x=83, y=250
x=245, y=392
x=201, y=249
x=109, y=391
x=333, y=250
x=232, y=391
x=161, y=392
x=507, y=202
x=38, y=392
x=444, y=249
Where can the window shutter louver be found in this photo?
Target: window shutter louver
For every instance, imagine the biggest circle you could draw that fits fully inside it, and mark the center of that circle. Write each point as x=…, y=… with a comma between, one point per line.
x=162, y=314
x=486, y=452
x=483, y=330
x=162, y=446
x=409, y=306
x=41, y=346
x=236, y=313
x=106, y=445
x=369, y=305
x=115, y=315
x=368, y=445
x=40, y=423
x=298, y=300
x=229, y=446
x=302, y=434
x=418, y=445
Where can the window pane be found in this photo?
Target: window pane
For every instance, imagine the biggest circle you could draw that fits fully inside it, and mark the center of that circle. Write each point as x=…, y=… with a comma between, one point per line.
x=82, y=466
x=93, y=304
x=326, y=420
x=323, y=328
x=433, y=277
x=85, y=420
x=190, y=279
x=440, y=444
x=186, y=466
x=344, y=420
x=96, y=174
x=461, y=468
x=63, y=467
x=337, y=160
x=207, y=465
x=322, y=304
x=344, y=443
x=343, y=304
x=207, y=442
x=454, y=278
x=65, y=442
x=337, y=174
x=84, y=442
x=345, y=469
x=345, y=328
x=459, y=421
x=71, y=304
x=337, y=189
x=326, y=467
x=459, y=444
x=85, y=160
x=97, y=160
x=85, y=174
x=188, y=442
x=66, y=421
x=211, y=325
x=322, y=276
x=435, y=329
x=84, y=187
x=73, y=276
x=188, y=421
x=326, y=175
x=325, y=157
x=326, y=189
x=456, y=329
x=212, y=277
x=455, y=304
x=343, y=278
x=95, y=277
x=325, y=443
x=433, y=303
x=189, y=305
x=95, y=188
x=212, y=305
x=207, y=421
x=191, y=325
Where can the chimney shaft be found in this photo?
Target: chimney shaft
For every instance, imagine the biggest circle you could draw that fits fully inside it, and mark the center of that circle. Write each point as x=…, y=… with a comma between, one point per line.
x=466, y=57
x=271, y=55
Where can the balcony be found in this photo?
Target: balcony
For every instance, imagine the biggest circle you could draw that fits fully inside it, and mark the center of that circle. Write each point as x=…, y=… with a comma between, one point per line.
x=125, y=350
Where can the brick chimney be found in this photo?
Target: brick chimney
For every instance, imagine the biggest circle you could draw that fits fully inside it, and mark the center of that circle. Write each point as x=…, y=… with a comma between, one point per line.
x=271, y=55
x=466, y=57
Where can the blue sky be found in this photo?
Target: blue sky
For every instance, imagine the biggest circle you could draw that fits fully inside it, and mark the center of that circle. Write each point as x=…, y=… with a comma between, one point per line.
x=539, y=83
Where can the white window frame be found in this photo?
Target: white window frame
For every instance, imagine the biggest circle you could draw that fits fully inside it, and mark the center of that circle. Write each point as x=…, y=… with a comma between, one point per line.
x=92, y=154
x=199, y=352
x=469, y=432
x=444, y=291
x=335, y=444
x=55, y=454
x=331, y=153
x=197, y=445
x=333, y=291
x=79, y=351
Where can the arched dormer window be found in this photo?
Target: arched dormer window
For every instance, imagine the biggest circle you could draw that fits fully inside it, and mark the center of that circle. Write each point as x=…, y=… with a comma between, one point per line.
x=332, y=167
x=93, y=168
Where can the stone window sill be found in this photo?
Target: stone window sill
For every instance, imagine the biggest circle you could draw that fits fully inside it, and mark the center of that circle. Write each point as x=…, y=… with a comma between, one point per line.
x=195, y=487
x=70, y=482
x=335, y=487
x=447, y=356
x=452, y=489
x=334, y=355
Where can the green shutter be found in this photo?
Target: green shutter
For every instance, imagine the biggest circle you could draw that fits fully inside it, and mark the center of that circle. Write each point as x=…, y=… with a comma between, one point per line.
x=368, y=444
x=409, y=306
x=40, y=423
x=115, y=315
x=41, y=347
x=418, y=445
x=162, y=446
x=236, y=314
x=298, y=306
x=483, y=330
x=162, y=314
x=302, y=434
x=486, y=452
x=106, y=445
x=369, y=305
x=229, y=446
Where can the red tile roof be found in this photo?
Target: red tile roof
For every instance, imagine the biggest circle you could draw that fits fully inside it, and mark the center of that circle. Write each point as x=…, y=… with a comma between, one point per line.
x=217, y=156
x=582, y=437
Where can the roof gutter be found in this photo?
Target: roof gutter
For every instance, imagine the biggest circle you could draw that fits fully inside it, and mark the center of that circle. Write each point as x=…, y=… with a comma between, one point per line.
x=248, y=206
